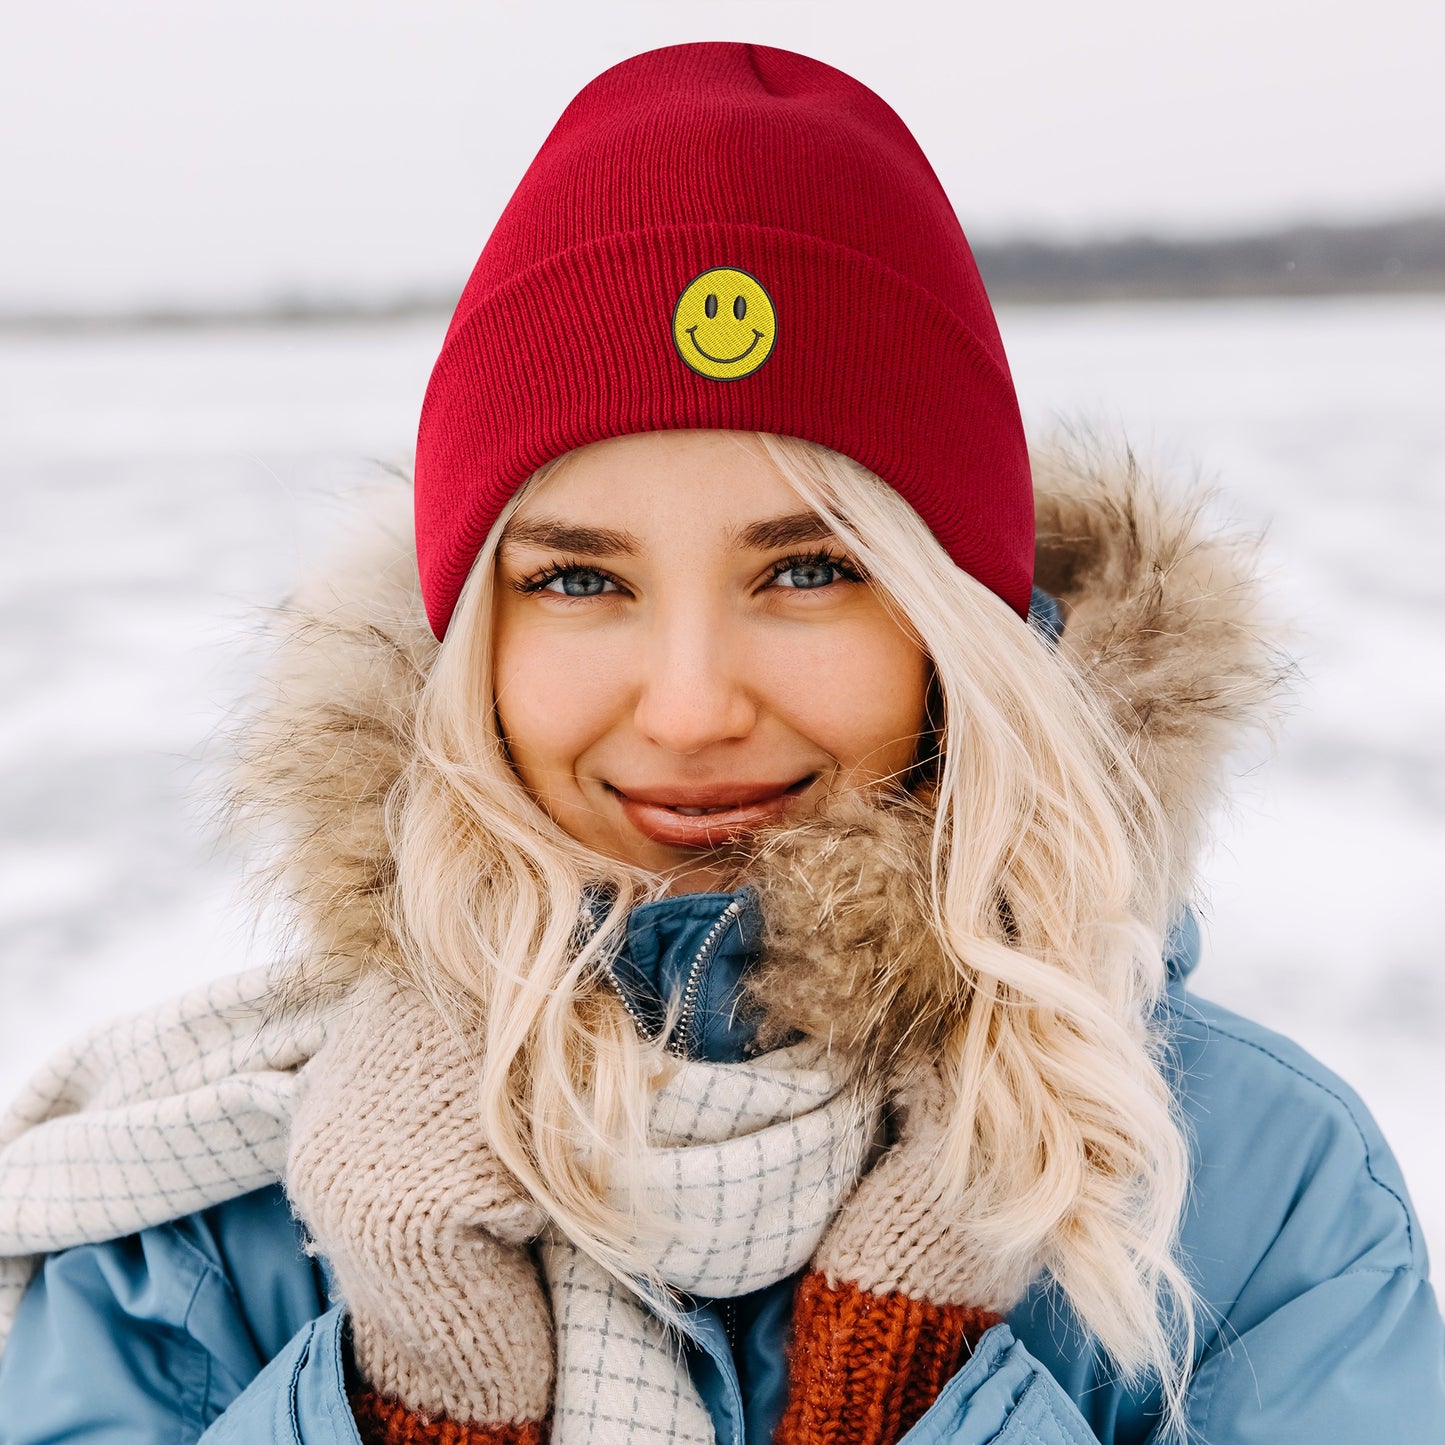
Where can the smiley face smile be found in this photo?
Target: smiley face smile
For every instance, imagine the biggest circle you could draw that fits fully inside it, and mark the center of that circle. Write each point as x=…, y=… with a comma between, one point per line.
x=723, y=360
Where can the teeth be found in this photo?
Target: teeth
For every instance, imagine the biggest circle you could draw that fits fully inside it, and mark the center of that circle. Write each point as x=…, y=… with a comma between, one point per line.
x=703, y=812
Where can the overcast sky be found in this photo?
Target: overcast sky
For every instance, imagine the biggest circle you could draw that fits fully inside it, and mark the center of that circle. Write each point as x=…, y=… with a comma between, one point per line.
x=202, y=152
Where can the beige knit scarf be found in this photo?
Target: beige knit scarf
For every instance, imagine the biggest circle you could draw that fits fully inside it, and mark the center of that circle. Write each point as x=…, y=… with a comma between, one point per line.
x=188, y=1105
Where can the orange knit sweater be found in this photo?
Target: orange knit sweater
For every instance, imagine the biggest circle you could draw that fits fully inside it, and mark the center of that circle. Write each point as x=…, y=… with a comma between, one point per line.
x=862, y=1370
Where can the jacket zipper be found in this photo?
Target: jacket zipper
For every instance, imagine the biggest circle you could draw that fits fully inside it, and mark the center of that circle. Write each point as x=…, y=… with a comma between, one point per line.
x=729, y=1310
x=643, y=1029
x=692, y=990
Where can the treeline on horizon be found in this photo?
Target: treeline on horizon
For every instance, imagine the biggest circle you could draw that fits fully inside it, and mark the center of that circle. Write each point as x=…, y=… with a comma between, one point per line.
x=1305, y=260
x=1388, y=257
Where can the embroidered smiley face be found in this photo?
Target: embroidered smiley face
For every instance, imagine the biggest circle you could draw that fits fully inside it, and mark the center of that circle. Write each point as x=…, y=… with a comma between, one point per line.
x=724, y=325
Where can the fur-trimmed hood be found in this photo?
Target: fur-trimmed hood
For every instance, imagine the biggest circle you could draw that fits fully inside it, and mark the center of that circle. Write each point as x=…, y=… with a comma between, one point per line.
x=1162, y=614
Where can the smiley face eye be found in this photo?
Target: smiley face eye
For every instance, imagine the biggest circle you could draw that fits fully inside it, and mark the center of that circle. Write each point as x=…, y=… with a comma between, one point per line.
x=710, y=306
x=740, y=308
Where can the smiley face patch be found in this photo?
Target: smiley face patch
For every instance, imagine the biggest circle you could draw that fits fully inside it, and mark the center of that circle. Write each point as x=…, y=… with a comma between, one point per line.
x=724, y=325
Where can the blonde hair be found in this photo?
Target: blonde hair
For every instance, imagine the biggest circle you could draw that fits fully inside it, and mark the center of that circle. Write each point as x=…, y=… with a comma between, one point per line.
x=1050, y=895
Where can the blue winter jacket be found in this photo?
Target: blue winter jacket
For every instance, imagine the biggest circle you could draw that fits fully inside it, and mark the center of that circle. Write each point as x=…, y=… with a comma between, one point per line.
x=1318, y=1323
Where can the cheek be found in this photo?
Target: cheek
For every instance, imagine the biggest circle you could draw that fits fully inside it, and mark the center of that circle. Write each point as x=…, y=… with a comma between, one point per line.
x=554, y=698
x=861, y=697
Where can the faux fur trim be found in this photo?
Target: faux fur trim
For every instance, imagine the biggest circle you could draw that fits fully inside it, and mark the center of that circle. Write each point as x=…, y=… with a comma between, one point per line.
x=1162, y=613
x=327, y=738
x=843, y=956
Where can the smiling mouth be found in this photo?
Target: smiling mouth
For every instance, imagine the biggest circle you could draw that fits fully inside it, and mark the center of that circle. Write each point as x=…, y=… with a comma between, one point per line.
x=723, y=360
x=709, y=816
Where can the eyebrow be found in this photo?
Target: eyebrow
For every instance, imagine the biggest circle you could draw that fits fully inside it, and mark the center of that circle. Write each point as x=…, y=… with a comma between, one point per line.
x=793, y=530
x=552, y=534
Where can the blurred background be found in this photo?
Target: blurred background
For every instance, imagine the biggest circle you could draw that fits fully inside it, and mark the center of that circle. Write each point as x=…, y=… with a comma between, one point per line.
x=231, y=235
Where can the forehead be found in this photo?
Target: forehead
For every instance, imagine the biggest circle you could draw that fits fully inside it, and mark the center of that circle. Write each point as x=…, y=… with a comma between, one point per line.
x=653, y=481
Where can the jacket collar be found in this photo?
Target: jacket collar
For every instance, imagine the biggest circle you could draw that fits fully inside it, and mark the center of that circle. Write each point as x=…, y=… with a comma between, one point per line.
x=684, y=961
x=1182, y=948
x=681, y=967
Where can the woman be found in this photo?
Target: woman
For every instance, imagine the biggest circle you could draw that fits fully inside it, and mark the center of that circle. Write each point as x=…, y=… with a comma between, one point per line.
x=743, y=992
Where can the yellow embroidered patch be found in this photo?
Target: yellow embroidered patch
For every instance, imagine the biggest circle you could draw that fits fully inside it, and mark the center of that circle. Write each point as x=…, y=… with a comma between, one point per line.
x=724, y=325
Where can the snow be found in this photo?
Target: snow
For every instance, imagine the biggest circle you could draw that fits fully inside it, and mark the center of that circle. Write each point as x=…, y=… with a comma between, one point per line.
x=162, y=488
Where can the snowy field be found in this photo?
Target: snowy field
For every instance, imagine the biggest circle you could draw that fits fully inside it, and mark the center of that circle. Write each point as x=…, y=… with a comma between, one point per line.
x=161, y=489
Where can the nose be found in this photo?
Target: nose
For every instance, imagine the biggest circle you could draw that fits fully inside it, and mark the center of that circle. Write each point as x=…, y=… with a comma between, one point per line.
x=693, y=691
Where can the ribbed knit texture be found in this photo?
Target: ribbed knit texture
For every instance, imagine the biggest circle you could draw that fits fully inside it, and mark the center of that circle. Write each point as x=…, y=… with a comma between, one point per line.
x=741, y=156
x=902, y=1232
x=424, y=1230
x=380, y=1421
x=864, y=1368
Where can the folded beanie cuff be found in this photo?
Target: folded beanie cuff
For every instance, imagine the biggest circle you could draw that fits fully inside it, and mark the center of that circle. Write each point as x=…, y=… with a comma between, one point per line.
x=868, y=362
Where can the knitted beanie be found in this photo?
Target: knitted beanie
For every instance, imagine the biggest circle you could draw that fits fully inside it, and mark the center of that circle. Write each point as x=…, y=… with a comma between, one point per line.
x=728, y=236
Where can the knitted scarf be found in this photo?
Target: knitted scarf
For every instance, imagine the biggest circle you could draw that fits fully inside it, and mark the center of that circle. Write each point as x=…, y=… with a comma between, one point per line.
x=188, y=1105
x=752, y=1161
x=144, y=1121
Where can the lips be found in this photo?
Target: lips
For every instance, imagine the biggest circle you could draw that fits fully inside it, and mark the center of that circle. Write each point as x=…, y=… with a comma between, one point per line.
x=707, y=815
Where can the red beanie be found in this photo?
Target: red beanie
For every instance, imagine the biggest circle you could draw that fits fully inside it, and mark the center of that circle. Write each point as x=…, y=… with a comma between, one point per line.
x=728, y=236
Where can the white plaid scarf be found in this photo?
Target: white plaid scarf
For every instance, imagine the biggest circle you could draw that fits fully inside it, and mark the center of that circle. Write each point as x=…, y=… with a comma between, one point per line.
x=144, y=1121
x=752, y=1162
x=188, y=1105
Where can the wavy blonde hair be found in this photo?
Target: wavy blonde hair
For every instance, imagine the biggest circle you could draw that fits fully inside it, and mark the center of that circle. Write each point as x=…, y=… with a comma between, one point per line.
x=1050, y=894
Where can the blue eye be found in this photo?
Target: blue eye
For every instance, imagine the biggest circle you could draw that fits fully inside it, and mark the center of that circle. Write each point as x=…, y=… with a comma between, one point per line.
x=805, y=576
x=577, y=582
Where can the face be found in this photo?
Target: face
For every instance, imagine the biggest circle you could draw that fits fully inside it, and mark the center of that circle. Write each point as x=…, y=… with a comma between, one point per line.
x=684, y=652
